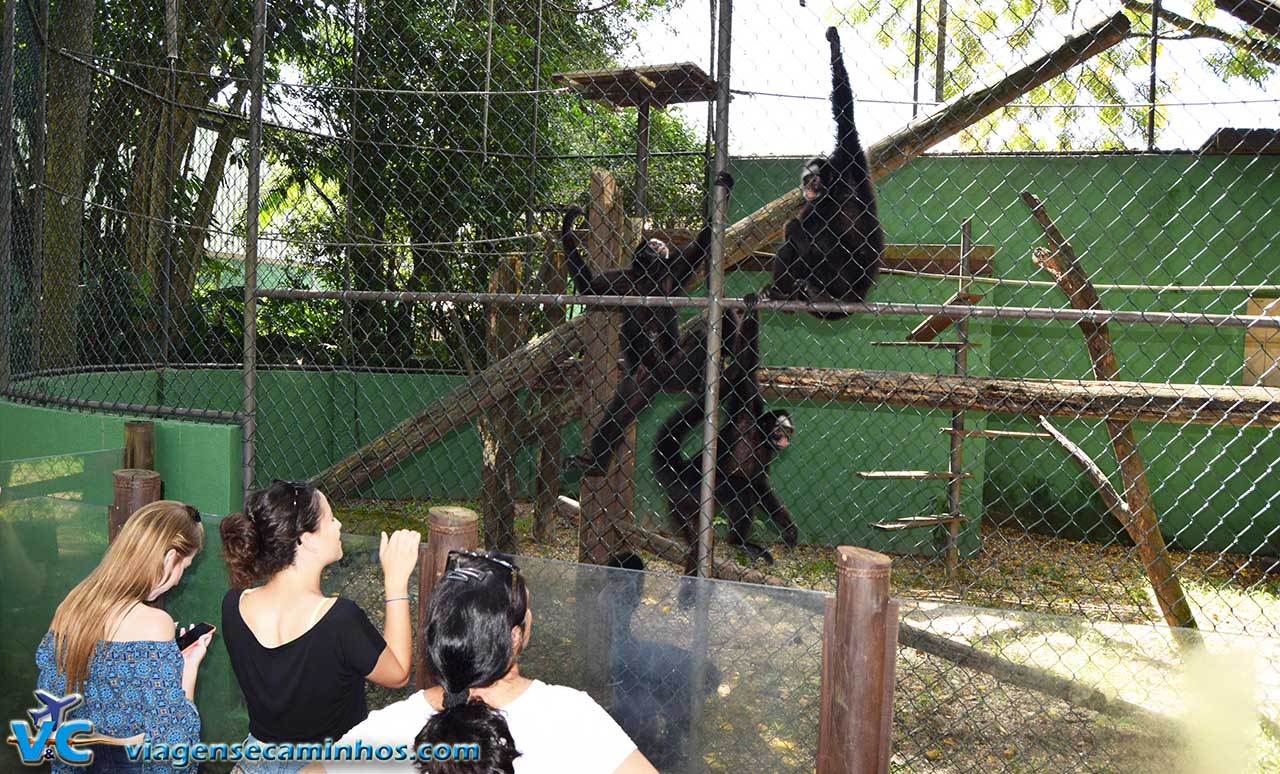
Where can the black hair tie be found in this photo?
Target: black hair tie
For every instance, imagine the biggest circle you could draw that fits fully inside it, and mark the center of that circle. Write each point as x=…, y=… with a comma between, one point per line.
x=456, y=698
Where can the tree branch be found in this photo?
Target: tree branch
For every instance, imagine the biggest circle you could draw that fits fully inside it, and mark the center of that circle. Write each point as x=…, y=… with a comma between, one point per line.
x=1263, y=51
x=1262, y=15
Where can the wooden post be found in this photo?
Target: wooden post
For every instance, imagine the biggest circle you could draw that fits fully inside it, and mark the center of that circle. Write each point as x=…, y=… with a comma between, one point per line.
x=642, y=161
x=605, y=500
x=547, y=485
x=132, y=489
x=449, y=527
x=504, y=333
x=140, y=445
x=824, y=688
x=961, y=363
x=854, y=722
x=1144, y=525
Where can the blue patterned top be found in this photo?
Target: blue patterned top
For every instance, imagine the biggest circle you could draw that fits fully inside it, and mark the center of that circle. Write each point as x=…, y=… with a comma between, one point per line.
x=132, y=688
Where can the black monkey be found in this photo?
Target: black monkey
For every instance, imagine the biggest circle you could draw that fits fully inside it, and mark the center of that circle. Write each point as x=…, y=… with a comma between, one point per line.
x=655, y=356
x=651, y=693
x=748, y=442
x=833, y=247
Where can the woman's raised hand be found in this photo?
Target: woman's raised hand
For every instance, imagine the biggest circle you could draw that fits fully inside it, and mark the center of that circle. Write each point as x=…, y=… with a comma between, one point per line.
x=398, y=555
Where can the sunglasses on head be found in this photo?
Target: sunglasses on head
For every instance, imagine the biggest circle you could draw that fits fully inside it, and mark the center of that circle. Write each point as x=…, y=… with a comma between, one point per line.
x=454, y=572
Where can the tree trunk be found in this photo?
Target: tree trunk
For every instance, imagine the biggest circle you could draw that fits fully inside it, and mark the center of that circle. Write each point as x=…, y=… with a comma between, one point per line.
x=194, y=237
x=70, y=90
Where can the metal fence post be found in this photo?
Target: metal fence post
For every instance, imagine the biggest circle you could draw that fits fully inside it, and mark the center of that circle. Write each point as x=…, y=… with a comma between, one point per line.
x=6, y=189
x=248, y=419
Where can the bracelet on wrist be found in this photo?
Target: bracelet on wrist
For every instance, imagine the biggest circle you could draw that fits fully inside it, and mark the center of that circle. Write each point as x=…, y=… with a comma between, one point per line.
x=397, y=599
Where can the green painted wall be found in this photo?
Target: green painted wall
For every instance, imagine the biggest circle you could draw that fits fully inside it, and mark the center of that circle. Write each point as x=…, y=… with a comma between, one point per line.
x=198, y=462
x=1134, y=219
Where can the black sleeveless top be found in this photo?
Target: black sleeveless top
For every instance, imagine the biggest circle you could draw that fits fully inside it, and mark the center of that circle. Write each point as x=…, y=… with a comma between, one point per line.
x=310, y=688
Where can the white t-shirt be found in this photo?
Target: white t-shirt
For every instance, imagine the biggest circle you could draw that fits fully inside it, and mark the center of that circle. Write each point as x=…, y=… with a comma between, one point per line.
x=558, y=730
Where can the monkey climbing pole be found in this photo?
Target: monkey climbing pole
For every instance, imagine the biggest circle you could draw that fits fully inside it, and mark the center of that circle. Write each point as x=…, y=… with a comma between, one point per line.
x=523, y=368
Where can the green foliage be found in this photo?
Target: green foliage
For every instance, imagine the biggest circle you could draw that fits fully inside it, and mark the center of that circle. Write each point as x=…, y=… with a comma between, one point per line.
x=984, y=38
x=401, y=148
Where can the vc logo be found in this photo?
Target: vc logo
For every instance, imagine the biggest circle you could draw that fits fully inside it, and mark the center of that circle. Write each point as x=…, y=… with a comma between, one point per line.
x=50, y=733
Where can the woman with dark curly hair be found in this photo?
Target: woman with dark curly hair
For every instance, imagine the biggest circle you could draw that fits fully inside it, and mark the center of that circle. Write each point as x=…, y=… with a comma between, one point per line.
x=301, y=658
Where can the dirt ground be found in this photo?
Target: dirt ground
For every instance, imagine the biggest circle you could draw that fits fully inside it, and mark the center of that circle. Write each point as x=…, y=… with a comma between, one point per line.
x=1076, y=610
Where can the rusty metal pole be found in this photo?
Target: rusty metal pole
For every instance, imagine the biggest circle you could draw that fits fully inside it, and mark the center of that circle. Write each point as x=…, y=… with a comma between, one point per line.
x=249, y=419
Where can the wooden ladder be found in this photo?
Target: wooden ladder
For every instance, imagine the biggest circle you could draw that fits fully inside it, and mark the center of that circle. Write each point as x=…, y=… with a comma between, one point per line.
x=925, y=335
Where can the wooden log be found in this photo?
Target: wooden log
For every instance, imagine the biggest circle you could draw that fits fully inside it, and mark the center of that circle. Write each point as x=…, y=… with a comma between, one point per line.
x=604, y=500
x=505, y=330
x=449, y=527
x=859, y=681
x=1203, y=404
x=140, y=445
x=465, y=402
x=1143, y=525
x=917, y=258
x=131, y=489
x=1195, y=29
x=1259, y=14
x=892, y=617
x=451, y=411
x=550, y=448
x=931, y=327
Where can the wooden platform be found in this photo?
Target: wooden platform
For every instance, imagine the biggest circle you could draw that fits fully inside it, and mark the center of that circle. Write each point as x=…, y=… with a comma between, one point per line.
x=993, y=433
x=915, y=522
x=654, y=85
x=932, y=326
x=925, y=344
x=912, y=474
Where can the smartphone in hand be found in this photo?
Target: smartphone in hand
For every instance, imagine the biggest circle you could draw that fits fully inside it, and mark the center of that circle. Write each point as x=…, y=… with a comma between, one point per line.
x=197, y=631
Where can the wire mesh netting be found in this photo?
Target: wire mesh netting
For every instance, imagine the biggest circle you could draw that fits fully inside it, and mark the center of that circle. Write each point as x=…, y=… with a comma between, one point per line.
x=1036, y=692
x=359, y=247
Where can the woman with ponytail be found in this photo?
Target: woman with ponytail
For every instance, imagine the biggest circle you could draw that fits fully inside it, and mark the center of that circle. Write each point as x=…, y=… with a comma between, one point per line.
x=302, y=658
x=477, y=624
x=108, y=644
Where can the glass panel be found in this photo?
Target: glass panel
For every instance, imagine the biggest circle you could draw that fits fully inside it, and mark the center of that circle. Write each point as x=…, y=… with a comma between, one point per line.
x=82, y=476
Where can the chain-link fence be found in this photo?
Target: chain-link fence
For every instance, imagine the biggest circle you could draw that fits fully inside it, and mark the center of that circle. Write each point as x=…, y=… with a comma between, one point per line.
x=343, y=226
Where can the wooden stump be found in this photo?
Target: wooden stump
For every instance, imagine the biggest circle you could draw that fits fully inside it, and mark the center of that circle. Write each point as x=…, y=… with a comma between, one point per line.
x=449, y=527
x=132, y=489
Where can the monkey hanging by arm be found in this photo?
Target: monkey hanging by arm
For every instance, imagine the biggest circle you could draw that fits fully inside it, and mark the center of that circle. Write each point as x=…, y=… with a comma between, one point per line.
x=833, y=247
x=749, y=440
x=655, y=356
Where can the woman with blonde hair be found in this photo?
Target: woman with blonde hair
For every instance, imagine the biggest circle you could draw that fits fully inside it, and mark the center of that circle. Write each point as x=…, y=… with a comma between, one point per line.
x=109, y=645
